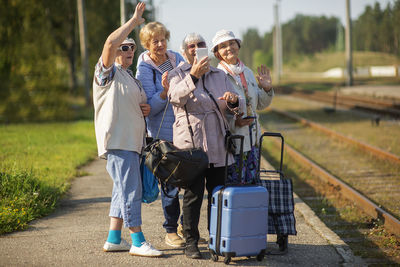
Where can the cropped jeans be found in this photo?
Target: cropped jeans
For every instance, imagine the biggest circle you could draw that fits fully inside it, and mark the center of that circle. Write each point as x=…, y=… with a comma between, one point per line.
x=126, y=200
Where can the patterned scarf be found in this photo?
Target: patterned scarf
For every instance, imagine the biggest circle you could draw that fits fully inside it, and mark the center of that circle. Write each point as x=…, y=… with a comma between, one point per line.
x=237, y=72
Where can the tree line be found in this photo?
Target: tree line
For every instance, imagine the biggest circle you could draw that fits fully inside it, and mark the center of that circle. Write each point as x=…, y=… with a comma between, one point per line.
x=39, y=55
x=39, y=49
x=376, y=29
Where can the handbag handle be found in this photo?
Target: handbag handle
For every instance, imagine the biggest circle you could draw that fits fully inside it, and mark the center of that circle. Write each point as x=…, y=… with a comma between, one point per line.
x=241, y=138
x=187, y=118
x=162, y=119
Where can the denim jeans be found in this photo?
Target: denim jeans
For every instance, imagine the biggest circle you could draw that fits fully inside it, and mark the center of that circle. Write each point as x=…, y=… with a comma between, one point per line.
x=126, y=201
x=171, y=208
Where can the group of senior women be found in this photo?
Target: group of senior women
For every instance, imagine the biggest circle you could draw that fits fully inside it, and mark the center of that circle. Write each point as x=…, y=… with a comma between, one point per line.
x=166, y=91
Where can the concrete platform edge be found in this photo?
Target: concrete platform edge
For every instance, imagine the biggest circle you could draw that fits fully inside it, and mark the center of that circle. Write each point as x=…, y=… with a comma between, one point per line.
x=340, y=246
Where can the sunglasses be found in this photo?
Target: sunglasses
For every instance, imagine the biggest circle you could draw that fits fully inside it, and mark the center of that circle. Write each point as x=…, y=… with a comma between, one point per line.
x=199, y=45
x=126, y=47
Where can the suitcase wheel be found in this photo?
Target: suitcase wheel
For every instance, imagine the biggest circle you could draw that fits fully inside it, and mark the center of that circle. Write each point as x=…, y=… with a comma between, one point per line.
x=260, y=256
x=214, y=256
x=227, y=260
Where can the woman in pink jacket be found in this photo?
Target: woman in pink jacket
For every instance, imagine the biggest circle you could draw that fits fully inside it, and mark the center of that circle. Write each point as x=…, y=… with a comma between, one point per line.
x=208, y=95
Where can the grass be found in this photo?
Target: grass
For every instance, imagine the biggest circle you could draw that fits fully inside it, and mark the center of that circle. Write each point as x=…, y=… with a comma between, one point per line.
x=321, y=62
x=37, y=163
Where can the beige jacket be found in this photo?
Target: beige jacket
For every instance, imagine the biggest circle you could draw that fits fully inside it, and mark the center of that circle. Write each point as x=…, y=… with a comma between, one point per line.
x=259, y=101
x=118, y=119
x=206, y=121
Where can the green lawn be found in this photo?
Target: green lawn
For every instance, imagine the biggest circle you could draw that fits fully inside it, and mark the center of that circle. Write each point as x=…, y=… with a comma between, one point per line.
x=37, y=162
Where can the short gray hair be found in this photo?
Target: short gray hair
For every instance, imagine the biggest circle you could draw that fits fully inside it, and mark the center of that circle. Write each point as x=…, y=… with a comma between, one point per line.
x=190, y=38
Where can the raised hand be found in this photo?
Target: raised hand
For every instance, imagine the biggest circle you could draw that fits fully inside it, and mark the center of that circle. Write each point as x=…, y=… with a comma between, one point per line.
x=201, y=67
x=139, y=10
x=264, y=78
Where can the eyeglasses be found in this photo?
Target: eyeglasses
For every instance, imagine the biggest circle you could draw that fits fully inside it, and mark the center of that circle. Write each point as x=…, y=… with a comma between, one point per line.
x=126, y=47
x=199, y=45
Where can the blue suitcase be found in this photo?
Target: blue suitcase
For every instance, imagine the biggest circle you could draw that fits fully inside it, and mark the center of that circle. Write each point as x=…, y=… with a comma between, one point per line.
x=239, y=214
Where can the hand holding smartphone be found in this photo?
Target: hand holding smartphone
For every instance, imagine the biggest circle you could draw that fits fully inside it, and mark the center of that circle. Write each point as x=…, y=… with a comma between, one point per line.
x=249, y=117
x=201, y=53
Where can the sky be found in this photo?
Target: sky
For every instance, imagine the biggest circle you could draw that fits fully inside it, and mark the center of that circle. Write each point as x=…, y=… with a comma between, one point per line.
x=206, y=17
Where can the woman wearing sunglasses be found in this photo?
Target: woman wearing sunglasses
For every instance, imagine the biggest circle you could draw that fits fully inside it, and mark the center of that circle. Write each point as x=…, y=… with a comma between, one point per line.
x=207, y=95
x=152, y=64
x=120, y=107
x=258, y=95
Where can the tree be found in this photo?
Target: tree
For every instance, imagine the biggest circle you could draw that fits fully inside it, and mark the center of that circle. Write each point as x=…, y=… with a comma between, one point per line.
x=251, y=42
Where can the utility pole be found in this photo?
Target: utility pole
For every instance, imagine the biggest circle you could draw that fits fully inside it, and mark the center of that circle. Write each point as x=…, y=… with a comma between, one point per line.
x=349, y=60
x=122, y=11
x=277, y=45
x=83, y=47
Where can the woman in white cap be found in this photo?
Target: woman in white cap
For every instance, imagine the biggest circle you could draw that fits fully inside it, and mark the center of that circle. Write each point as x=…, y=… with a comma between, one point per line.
x=207, y=95
x=258, y=93
x=120, y=107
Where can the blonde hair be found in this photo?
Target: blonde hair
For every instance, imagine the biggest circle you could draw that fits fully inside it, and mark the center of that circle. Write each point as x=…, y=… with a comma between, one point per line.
x=150, y=30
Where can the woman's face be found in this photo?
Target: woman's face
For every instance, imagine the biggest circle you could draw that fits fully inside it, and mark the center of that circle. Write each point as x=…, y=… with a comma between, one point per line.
x=158, y=45
x=191, y=50
x=229, y=51
x=125, y=58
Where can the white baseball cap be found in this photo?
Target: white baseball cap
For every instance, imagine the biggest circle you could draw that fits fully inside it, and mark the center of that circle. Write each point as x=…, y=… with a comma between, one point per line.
x=223, y=36
x=129, y=41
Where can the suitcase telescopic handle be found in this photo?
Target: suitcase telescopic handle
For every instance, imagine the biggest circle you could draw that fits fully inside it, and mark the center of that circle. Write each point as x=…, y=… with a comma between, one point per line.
x=260, y=150
x=241, y=138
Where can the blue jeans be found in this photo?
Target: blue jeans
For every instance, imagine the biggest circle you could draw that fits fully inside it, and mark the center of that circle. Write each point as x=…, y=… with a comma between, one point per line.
x=126, y=200
x=171, y=208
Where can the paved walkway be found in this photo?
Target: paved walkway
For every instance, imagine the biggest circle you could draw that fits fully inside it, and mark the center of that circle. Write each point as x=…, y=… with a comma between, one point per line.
x=75, y=233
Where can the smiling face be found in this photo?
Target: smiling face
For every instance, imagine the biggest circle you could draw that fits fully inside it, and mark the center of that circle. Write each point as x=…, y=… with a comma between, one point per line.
x=158, y=46
x=190, y=51
x=125, y=58
x=229, y=51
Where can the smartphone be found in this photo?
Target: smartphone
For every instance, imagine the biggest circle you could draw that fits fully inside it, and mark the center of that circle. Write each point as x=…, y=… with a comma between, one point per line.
x=249, y=117
x=201, y=53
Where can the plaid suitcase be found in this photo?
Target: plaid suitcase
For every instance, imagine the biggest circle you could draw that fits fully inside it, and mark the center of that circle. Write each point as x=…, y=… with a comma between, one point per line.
x=281, y=220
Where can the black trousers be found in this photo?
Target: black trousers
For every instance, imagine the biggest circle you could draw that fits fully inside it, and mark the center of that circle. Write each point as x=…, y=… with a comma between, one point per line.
x=193, y=198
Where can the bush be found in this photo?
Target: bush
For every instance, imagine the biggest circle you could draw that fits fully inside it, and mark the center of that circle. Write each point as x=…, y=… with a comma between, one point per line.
x=23, y=197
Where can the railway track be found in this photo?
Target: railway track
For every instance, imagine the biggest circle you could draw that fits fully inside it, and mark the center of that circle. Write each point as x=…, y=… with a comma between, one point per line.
x=378, y=106
x=372, y=187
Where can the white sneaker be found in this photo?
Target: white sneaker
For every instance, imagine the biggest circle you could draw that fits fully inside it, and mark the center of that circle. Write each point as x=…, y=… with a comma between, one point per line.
x=123, y=246
x=146, y=250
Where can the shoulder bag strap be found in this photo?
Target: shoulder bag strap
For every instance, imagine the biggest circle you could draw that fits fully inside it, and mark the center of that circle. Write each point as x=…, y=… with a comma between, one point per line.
x=215, y=102
x=189, y=126
x=162, y=119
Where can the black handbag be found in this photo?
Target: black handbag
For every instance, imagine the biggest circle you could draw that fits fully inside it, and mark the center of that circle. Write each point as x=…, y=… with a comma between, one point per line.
x=174, y=166
x=177, y=167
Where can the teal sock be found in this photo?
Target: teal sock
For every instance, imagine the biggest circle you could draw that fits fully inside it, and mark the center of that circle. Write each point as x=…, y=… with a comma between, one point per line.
x=137, y=239
x=114, y=236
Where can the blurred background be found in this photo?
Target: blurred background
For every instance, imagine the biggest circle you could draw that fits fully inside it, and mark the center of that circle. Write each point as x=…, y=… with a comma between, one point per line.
x=48, y=52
